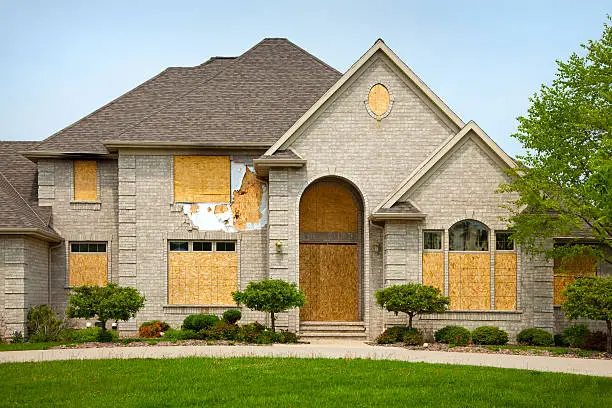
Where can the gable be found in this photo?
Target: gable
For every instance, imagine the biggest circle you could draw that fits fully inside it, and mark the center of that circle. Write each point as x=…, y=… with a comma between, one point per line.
x=411, y=79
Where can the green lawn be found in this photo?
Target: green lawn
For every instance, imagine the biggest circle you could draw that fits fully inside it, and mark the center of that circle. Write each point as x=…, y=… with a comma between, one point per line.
x=261, y=382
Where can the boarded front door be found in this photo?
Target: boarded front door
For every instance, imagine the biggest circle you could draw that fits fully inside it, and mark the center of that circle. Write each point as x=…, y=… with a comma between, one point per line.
x=329, y=252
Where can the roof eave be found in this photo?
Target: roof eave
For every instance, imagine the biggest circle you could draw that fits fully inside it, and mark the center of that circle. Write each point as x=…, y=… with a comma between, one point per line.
x=397, y=216
x=115, y=145
x=34, y=232
x=35, y=155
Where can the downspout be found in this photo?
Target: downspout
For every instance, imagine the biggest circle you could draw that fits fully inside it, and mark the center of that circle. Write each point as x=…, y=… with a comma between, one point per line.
x=51, y=248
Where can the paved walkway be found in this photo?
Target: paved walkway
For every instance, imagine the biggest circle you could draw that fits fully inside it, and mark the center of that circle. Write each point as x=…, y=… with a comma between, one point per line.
x=345, y=349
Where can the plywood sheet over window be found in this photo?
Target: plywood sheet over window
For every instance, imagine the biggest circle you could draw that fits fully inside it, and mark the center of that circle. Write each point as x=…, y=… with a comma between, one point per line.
x=202, y=278
x=85, y=180
x=469, y=278
x=505, y=281
x=566, y=273
x=328, y=207
x=433, y=270
x=87, y=269
x=201, y=179
x=329, y=277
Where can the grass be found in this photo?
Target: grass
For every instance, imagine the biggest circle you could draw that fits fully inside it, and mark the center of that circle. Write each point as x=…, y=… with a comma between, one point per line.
x=558, y=351
x=30, y=346
x=253, y=382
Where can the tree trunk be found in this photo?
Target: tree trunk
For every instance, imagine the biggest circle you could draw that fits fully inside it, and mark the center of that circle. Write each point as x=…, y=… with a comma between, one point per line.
x=103, y=325
x=272, y=318
x=410, y=320
x=609, y=337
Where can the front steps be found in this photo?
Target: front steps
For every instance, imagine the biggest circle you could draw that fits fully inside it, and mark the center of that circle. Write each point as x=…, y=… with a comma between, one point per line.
x=332, y=331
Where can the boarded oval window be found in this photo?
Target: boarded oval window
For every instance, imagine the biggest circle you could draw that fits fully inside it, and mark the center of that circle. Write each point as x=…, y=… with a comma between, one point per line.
x=379, y=99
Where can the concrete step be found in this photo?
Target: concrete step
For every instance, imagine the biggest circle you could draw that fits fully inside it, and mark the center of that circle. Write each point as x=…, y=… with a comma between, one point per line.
x=332, y=330
x=316, y=323
x=335, y=328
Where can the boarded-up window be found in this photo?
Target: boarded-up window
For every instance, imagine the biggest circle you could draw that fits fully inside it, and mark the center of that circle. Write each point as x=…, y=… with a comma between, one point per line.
x=505, y=281
x=85, y=180
x=566, y=273
x=433, y=269
x=87, y=264
x=201, y=179
x=469, y=281
x=201, y=276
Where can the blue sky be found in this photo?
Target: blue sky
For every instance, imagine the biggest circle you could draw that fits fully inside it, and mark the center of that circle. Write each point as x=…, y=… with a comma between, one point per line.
x=64, y=59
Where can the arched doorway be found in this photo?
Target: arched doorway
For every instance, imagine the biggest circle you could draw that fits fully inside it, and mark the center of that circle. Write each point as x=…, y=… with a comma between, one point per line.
x=330, y=251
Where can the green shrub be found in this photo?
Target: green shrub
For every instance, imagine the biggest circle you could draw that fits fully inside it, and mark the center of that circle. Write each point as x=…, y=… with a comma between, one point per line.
x=198, y=322
x=399, y=334
x=560, y=340
x=575, y=335
x=413, y=299
x=386, y=338
x=153, y=329
x=175, y=335
x=288, y=337
x=414, y=338
x=249, y=333
x=535, y=337
x=489, y=335
x=90, y=335
x=453, y=335
x=17, y=337
x=595, y=341
x=43, y=324
x=232, y=316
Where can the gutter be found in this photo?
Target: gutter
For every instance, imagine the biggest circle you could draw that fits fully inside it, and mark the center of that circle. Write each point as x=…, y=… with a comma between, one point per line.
x=397, y=216
x=33, y=232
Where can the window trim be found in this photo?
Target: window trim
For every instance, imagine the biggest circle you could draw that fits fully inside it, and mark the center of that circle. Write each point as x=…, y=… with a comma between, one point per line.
x=429, y=250
x=476, y=251
x=213, y=243
x=504, y=250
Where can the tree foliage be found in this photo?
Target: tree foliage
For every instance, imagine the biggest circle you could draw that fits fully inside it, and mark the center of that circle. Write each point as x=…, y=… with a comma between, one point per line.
x=110, y=302
x=590, y=298
x=272, y=296
x=564, y=184
x=412, y=299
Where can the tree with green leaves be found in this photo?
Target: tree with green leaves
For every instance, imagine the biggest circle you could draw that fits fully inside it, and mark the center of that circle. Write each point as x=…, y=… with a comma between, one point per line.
x=590, y=298
x=564, y=182
x=272, y=296
x=110, y=302
x=412, y=299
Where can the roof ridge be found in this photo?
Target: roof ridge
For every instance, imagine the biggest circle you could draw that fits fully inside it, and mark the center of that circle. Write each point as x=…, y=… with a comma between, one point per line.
x=23, y=199
x=84, y=118
x=199, y=84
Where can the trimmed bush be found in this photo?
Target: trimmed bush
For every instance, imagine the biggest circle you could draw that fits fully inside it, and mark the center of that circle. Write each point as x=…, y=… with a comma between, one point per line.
x=535, y=337
x=560, y=340
x=414, y=338
x=152, y=330
x=232, y=316
x=199, y=322
x=175, y=335
x=453, y=335
x=489, y=335
x=386, y=338
x=595, y=341
x=91, y=335
x=575, y=335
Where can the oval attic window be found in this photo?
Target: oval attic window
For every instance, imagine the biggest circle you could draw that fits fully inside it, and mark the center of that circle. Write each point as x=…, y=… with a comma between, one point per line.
x=379, y=99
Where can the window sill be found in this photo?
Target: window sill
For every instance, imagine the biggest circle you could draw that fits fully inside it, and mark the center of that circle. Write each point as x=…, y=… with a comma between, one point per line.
x=86, y=205
x=490, y=315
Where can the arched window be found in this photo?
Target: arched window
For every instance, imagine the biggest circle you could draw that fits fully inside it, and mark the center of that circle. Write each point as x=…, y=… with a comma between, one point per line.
x=468, y=235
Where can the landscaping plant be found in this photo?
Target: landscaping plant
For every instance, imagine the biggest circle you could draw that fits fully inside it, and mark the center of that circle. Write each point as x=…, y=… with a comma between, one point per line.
x=590, y=298
x=153, y=329
x=489, y=335
x=110, y=302
x=412, y=299
x=535, y=337
x=43, y=324
x=232, y=316
x=198, y=322
x=272, y=296
x=575, y=335
x=453, y=335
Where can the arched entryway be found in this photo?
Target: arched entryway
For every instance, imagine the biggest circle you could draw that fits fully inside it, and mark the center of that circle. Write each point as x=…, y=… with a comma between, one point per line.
x=331, y=251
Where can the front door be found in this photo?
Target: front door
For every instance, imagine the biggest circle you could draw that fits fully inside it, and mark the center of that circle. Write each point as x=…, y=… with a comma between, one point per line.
x=329, y=252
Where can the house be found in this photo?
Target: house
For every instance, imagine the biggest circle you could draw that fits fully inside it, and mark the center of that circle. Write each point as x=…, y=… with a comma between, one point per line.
x=272, y=165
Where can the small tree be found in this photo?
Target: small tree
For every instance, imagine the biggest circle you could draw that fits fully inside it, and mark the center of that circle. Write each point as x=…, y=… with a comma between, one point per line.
x=590, y=298
x=271, y=296
x=412, y=299
x=110, y=302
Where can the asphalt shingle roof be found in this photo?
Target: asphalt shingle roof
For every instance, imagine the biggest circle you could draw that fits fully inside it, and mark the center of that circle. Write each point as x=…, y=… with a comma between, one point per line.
x=253, y=98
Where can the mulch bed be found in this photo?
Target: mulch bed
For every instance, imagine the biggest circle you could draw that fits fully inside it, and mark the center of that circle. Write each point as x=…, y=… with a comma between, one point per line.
x=571, y=353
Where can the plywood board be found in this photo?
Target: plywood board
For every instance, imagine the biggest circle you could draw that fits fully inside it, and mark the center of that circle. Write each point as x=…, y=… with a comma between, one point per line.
x=246, y=201
x=85, y=180
x=328, y=207
x=469, y=277
x=505, y=281
x=329, y=276
x=202, y=278
x=87, y=269
x=379, y=99
x=201, y=179
x=565, y=273
x=433, y=270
